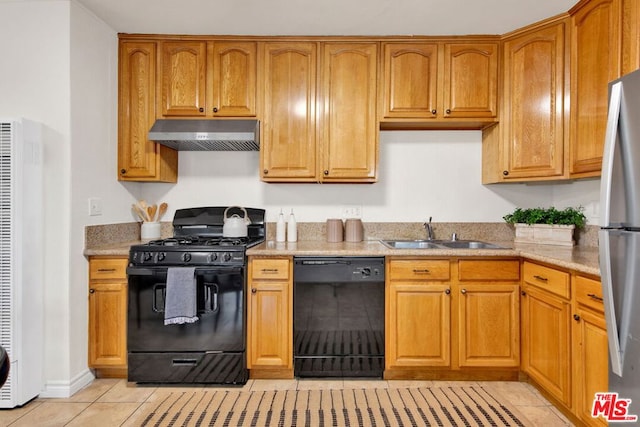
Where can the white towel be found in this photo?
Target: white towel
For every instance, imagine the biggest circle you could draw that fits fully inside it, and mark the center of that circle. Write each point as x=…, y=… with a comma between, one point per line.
x=180, y=301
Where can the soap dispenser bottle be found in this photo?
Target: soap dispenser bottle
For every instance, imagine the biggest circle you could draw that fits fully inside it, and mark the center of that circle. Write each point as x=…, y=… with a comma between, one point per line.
x=292, y=229
x=280, y=228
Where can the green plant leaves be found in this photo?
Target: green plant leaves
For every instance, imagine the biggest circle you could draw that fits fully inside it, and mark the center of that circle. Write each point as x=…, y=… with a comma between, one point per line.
x=550, y=215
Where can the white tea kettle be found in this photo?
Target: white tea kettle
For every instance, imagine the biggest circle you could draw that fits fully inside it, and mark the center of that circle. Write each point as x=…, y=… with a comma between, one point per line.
x=235, y=226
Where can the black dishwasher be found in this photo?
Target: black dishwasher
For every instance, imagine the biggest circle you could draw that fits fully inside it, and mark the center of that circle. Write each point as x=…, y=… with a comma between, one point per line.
x=338, y=316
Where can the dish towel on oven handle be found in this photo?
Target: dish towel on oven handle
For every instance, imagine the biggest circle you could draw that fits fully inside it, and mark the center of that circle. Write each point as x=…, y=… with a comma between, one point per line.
x=180, y=301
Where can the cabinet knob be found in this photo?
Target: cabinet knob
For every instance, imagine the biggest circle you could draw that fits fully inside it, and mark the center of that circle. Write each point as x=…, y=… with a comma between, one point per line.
x=447, y=291
x=326, y=172
x=123, y=171
x=91, y=291
x=266, y=171
x=523, y=293
x=201, y=109
x=254, y=290
x=463, y=291
x=505, y=173
x=434, y=111
x=215, y=109
x=576, y=317
x=448, y=111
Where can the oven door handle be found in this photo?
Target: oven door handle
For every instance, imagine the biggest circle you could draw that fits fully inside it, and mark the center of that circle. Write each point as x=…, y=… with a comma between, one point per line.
x=141, y=271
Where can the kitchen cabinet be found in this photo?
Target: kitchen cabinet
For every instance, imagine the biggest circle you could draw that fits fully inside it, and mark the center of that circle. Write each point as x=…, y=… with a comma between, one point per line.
x=439, y=84
x=418, y=306
x=138, y=158
x=488, y=313
x=108, y=314
x=529, y=142
x=546, y=329
x=208, y=78
x=288, y=86
x=630, y=36
x=451, y=314
x=595, y=61
x=270, y=317
x=590, y=350
x=349, y=142
x=320, y=120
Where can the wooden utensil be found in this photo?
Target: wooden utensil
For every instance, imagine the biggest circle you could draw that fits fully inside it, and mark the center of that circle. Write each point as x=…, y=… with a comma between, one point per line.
x=152, y=212
x=162, y=210
x=138, y=210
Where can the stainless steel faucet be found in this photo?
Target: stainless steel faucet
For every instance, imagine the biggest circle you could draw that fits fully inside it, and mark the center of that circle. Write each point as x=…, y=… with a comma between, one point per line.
x=429, y=229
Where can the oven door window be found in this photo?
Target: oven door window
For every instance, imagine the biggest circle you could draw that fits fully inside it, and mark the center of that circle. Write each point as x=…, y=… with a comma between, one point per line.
x=220, y=302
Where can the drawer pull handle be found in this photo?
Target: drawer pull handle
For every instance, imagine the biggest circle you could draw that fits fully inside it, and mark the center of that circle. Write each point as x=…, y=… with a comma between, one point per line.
x=542, y=279
x=106, y=270
x=421, y=271
x=269, y=270
x=595, y=297
x=463, y=291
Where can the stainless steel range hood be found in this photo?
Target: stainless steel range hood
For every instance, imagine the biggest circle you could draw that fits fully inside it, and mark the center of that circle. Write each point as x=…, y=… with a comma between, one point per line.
x=207, y=134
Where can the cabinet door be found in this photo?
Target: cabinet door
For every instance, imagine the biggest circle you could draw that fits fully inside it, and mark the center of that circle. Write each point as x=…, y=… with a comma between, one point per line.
x=138, y=158
x=418, y=325
x=350, y=133
x=232, y=70
x=289, y=137
x=269, y=337
x=630, y=36
x=595, y=61
x=489, y=325
x=183, y=78
x=590, y=362
x=107, y=324
x=545, y=338
x=470, y=80
x=533, y=115
x=410, y=80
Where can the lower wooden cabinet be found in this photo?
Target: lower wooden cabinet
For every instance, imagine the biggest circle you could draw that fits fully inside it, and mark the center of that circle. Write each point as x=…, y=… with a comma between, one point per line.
x=589, y=346
x=270, y=317
x=108, y=312
x=452, y=314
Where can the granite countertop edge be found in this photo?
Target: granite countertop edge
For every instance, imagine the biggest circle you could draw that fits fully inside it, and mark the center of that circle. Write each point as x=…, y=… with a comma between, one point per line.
x=580, y=259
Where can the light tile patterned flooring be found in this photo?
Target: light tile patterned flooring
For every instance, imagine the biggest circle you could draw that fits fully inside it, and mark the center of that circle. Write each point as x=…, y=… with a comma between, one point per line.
x=112, y=402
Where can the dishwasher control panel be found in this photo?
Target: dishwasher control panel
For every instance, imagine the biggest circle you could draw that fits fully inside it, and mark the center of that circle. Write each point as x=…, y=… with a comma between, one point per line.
x=338, y=269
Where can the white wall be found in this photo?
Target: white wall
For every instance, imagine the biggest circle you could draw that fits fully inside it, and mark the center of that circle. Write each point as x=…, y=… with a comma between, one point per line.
x=422, y=174
x=58, y=68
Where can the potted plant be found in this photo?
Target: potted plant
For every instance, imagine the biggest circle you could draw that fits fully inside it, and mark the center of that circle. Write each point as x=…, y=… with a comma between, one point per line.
x=548, y=226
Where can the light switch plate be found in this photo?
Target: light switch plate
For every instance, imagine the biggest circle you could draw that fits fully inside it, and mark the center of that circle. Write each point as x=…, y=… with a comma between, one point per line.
x=95, y=206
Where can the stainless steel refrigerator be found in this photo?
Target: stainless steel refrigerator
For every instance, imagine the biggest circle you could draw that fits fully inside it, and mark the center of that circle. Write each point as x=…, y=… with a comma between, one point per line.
x=619, y=239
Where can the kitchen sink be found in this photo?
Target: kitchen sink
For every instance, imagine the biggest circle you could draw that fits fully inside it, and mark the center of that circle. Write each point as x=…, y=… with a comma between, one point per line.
x=410, y=244
x=438, y=244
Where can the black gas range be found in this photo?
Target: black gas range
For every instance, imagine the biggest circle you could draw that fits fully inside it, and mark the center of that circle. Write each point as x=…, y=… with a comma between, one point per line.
x=198, y=240
x=210, y=347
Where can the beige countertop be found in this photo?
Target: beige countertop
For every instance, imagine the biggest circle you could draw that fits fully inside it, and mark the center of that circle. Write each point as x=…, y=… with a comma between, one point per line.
x=580, y=259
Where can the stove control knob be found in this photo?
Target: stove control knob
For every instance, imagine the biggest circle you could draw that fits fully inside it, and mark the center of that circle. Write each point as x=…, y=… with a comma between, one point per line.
x=186, y=257
x=161, y=256
x=147, y=256
x=366, y=272
x=226, y=256
x=213, y=256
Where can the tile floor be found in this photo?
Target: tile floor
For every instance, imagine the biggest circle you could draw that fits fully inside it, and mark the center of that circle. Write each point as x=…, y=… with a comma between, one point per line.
x=112, y=402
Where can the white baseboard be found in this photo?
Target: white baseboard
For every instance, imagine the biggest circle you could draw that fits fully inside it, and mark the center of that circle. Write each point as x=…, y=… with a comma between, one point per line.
x=65, y=389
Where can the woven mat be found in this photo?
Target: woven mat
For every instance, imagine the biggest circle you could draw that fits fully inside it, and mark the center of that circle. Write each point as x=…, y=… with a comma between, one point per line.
x=437, y=406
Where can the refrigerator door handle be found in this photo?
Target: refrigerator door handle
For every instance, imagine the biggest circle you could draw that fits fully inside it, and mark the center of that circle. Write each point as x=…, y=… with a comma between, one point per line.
x=611, y=134
x=615, y=355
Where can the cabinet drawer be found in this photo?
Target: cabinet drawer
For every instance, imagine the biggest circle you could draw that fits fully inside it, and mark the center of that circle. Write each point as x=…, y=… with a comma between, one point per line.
x=108, y=268
x=432, y=269
x=270, y=269
x=549, y=279
x=588, y=292
x=489, y=270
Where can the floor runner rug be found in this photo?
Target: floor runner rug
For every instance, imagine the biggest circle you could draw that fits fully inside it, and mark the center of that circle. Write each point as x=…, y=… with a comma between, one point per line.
x=423, y=406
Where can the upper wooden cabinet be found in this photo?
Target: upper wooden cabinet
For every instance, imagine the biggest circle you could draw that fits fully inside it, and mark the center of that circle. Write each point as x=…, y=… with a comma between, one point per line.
x=433, y=84
x=288, y=86
x=529, y=142
x=138, y=158
x=630, y=36
x=208, y=79
x=595, y=61
x=349, y=126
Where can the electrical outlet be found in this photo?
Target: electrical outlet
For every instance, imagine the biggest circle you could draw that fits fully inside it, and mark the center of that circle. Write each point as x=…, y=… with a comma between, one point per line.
x=352, y=211
x=95, y=206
